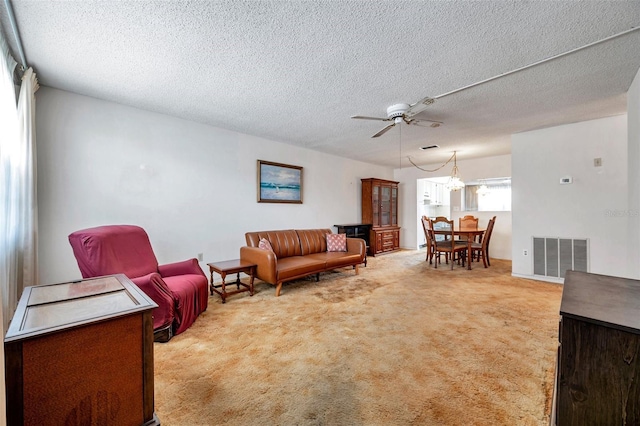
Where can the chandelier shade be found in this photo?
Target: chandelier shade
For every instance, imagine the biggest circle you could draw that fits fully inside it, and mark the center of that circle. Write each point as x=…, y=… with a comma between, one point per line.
x=455, y=182
x=483, y=190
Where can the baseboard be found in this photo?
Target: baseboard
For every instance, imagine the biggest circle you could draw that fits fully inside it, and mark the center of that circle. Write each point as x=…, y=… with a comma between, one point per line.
x=539, y=278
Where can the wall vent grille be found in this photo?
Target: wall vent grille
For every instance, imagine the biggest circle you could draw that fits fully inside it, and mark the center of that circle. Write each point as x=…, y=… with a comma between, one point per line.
x=553, y=256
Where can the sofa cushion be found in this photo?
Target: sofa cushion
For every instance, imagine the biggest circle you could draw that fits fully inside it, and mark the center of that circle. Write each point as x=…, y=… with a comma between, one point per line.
x=298, y=266
x=285, y=243
x=313, y=240
x=336, y=242
x=337, y=259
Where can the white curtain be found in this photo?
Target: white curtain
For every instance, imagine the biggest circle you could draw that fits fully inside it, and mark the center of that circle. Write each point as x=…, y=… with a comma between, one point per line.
x=8, y=134
x=27, y=205
x=471, y=198
x=8, y=139
x=18, y=212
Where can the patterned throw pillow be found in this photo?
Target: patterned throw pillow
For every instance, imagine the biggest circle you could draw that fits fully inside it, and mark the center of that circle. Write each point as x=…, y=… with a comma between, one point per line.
x=336, y=242
x=264, y=244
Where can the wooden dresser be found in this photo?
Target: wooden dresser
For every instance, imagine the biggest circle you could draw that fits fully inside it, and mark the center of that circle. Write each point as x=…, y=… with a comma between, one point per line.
x=81, y=353
x=380, y=209
x=598, y=371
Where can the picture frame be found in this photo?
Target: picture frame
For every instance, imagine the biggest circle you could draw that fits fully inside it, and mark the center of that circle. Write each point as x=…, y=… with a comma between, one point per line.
x=279, y=183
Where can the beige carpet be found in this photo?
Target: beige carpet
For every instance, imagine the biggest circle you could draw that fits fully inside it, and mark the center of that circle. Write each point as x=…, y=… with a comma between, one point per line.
x=399, y=344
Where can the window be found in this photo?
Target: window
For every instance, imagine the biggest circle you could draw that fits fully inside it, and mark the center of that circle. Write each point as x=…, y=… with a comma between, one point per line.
x=488, y=195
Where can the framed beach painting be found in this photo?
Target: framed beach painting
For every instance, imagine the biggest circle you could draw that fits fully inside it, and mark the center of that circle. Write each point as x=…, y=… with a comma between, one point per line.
x=279, y=183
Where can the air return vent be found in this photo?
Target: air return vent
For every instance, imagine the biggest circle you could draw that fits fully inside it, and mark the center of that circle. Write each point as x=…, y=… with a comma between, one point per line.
x=552, y=257
x=424, y=148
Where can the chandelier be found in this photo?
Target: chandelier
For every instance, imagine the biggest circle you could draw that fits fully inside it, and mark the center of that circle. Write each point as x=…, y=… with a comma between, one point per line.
x=455, y=182
x=483, y=190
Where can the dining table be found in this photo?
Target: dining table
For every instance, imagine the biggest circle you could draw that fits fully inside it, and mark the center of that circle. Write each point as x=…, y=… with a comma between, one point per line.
x=470, y=233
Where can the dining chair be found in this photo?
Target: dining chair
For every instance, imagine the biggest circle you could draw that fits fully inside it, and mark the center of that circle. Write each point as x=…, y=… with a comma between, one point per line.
x=428, y=234
x=440, y=221
x=467, y=222
x=492, y=226
x=448, y=246
x=482, y=249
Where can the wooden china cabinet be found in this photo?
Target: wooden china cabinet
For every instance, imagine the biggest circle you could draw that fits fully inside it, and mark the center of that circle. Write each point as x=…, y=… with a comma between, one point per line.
x=380, y=209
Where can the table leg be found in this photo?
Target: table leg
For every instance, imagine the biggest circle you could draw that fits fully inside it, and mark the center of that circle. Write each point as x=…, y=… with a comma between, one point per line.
x=211, y=281
x=253, y=272
x=224, y=291
x=238, y=281
x=469, y=253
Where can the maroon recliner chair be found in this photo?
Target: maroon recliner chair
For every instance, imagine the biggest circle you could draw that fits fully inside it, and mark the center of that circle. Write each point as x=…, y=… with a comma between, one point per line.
x=180, y=289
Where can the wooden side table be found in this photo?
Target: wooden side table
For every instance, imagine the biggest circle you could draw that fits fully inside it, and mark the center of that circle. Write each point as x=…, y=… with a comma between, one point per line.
x=234, y=266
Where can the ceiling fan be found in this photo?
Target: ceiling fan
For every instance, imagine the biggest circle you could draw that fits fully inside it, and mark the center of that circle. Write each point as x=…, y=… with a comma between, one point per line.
x=403, y=112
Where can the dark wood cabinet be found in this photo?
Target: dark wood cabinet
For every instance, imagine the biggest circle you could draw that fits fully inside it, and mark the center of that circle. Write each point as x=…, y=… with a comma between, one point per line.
x=81, y=353
x=598, y=371
x=380, y=209
x=355, y=230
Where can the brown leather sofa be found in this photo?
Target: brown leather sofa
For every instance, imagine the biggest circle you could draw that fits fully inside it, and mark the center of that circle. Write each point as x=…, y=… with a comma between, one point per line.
x=298, y=253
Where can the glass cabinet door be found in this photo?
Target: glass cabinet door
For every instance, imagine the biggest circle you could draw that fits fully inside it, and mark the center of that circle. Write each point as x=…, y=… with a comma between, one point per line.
x=385, y=206
x=375, y=204
x=394, y=206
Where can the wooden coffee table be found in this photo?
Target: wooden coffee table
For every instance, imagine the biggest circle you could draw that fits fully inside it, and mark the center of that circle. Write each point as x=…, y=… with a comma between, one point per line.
x=234, y=266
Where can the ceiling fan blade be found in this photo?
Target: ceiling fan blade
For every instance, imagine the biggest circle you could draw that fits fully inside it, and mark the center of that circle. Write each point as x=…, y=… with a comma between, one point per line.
x=362, y=117
x=423, y=123
x=383, y=131
x=419, y=106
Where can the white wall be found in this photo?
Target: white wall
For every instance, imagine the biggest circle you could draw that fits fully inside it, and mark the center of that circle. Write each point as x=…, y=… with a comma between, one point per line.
x=481, y=168
x=593, y=207
x=190, y=185
x=633, y=218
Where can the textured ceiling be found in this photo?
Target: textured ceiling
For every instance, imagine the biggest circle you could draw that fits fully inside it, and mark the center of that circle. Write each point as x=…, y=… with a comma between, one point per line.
x=296, y=71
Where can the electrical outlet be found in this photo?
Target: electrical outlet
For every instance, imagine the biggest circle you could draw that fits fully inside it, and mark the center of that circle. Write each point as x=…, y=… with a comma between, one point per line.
x=200, y=257
x=525, y=252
